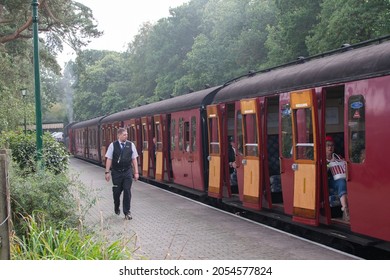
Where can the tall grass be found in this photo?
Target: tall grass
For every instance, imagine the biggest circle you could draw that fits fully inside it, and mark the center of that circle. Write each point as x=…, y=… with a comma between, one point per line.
x=45, y=242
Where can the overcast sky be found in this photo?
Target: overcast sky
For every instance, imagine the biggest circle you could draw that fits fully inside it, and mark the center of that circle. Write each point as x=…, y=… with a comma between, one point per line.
x=121, y=19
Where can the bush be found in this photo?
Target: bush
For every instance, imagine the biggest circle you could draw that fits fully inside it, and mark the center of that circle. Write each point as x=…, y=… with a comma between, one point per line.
x=46, y=242
x=42, y=191
x=23, y=147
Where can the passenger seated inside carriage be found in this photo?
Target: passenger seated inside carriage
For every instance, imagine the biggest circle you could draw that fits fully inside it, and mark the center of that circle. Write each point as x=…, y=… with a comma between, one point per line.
x=274, y=168
x=337, y=183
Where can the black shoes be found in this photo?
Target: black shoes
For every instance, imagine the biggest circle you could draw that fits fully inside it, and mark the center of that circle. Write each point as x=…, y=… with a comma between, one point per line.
x=128, y=216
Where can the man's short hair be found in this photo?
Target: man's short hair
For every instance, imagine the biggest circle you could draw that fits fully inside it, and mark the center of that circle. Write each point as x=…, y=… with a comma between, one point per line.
x=121, y=131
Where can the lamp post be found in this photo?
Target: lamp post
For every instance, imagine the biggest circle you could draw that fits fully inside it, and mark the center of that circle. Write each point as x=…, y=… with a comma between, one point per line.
x=24, y=93
x=38, y=112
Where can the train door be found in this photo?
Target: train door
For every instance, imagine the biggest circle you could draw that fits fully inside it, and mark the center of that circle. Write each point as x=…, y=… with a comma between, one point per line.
x=252, y=163
x=108, y=138
x=196, y=148
x=366, y=146
x=239, y=150
x=305, y=157
x=216, y=151
x=133, y=129
x=185, y=148
x=331, y=120
x=173, y=153
x=147, y=164
x=181, y=168
x=85, y=143
x=89, y=143
x=271, y=152
x=232, y=132
x=103, y=144
x=160, y=147
x=285, y=152
x=89, y=146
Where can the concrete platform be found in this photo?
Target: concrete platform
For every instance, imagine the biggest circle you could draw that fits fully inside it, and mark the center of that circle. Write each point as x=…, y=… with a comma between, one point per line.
x=168, y=226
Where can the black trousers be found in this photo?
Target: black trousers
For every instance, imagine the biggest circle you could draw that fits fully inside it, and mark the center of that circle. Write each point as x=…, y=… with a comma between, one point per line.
x=122, y=182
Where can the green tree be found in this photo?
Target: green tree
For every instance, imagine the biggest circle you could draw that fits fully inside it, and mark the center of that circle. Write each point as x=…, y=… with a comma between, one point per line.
x=286, y=39
x=207, y=42
x=349, y=21
x=231, y=42
x=60, y=21
x=156, y=55
x=98, y=75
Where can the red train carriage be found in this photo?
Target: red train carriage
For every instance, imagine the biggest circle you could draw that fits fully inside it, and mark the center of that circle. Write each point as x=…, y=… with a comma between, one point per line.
x=108, y=131
x=280, y=119
x=187, y=151
x=109, y=127
x=133, y=130
x=177, y=125
x=68, y=137
x=87, y=140
x=178, y=159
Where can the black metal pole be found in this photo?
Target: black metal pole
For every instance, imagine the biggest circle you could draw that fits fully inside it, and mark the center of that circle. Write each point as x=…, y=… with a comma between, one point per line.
x=38, y=110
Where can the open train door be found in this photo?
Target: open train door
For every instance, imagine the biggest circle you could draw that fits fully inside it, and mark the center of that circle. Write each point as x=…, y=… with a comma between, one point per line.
x=147, y=163
x=305, y=157
x=285, y=152
x=252, y=163
x=216, y=150
x=161, y=149
x=135, y=136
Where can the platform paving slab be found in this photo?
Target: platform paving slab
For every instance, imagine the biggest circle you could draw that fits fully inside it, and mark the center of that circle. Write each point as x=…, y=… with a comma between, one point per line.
x=166, y=226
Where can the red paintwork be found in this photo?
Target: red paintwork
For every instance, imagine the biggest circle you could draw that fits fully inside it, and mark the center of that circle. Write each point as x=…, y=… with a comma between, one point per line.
x=369, y=183
x=187, y=165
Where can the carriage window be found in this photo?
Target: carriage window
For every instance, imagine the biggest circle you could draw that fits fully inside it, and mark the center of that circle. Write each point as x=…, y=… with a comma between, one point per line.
x=193, y=133
x=240, y=139
x=286, y=131
x=181, y=122
x=251, y=140
x=357, y=129
x=214, y=137
x=304, y=146
x=173, y=133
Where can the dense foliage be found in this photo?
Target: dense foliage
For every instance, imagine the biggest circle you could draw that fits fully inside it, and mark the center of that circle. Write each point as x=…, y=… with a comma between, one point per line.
x=23, y=147
x=202, y=42
x=48, y=206
x=60, y=22
x=42, y=192
x=211, y=41
x=45, y=241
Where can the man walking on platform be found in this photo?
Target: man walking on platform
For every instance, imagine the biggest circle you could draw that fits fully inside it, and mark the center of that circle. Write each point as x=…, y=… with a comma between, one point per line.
x=121, y=158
